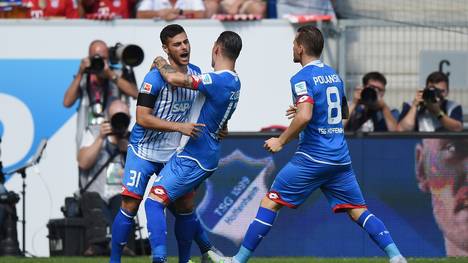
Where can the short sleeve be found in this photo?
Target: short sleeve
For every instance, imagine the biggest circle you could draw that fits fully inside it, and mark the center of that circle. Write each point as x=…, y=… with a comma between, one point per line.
x=87, y=139
x=146, y=5
x=205, y=83
x=301, y=91
x=152, y=83
x=457, y=114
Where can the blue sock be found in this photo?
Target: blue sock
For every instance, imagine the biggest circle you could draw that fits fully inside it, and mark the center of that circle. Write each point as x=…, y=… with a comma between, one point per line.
x=257, y=230
x=185, y=229
x=156, y=223
x=201, y=238
x=378, y=233
x=123, y=224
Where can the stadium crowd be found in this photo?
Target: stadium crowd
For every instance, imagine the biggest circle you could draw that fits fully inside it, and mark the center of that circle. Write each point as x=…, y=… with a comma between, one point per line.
x=162, y=9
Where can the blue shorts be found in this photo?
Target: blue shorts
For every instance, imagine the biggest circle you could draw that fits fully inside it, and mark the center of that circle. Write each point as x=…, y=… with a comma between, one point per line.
x=179, y=178
x=137, y=173
x=302, y=176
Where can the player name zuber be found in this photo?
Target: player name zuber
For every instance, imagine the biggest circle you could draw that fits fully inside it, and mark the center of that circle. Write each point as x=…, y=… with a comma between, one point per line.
x=326, y=79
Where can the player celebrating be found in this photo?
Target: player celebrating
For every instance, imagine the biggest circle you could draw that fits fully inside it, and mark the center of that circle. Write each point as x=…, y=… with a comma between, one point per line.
x=199, y=158
x=162, y=112
x=322, y=159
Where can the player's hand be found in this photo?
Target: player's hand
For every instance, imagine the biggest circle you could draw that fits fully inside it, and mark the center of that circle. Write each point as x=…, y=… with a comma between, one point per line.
x=158, y=63
x=153, y=65
x=418, y=99
x=105, y=129
x=223, y=133
x=85, y=63
x=273, y=145
x=291, y=112
x=357, y=94
x=191, y=129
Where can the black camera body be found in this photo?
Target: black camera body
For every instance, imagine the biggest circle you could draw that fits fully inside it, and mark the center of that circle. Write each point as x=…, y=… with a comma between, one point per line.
x=369, y=96
x=9, y=197
x=119, y=123
x=97, y=64
x=432, y=94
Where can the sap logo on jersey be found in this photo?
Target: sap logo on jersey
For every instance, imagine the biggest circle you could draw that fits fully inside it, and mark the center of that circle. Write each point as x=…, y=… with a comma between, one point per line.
x=327, y=79
x=181, y=107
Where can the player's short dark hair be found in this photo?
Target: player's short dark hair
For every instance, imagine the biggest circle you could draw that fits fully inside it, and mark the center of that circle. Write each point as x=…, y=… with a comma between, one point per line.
x=170, y=31
x=311, y=39
x=437, y=77
x=231, y=44
x=374, y=75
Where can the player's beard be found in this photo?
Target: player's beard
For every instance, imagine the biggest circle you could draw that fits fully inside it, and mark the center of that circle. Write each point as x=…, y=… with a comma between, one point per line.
x=296, y=57
x=178, y=60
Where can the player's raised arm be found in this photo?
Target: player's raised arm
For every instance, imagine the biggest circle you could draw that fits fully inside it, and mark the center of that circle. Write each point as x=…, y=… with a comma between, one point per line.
x=173, y=77
x=300, y=121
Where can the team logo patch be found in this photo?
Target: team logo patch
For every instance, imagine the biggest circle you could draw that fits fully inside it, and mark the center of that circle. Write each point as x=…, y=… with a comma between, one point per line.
x=159, y=191
x=146, y=87
x=303, y=98
x=206, y=79
x=300, y=88
x=273, y=196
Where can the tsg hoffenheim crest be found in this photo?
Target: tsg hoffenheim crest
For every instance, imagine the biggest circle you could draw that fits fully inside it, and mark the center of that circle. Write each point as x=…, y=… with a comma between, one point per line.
x=233, y=194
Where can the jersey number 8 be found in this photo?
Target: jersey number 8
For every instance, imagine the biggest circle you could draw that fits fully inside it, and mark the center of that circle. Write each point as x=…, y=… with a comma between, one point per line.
x=333, y=105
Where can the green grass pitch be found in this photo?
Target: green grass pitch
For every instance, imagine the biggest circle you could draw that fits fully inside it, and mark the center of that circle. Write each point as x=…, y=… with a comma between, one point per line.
x=254, y=260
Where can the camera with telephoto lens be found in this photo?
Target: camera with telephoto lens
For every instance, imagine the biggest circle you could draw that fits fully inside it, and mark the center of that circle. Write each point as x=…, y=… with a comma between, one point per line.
x=119, y=123
x=97, y=64
x=431, y=94
x=128, y=55
x=369, y=96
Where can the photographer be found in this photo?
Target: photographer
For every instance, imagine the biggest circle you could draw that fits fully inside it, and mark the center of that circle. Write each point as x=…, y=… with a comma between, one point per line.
x=369, y=112
x=96, y=85
x=430, y=110
x=101, y=160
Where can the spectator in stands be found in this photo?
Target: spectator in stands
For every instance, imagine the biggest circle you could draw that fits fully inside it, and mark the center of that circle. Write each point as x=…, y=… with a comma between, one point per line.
x=53, y=8
x=368, y=111
x=171, y=9
x=96, y=85
x=232, y=7
x=303, y=7
x=106, y=9
x=101, y=160
x=441, y=170
x=430, y=109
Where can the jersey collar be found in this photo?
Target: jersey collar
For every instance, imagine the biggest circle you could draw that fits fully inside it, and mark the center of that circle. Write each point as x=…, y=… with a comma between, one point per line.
x=226, y=70
x=317, y=63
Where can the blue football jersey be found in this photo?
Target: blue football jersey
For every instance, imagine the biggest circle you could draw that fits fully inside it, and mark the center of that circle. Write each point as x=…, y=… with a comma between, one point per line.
x=172, y=104
x=323, y=139
x=218, y=97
